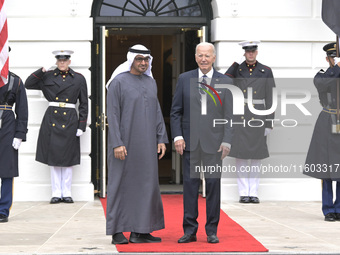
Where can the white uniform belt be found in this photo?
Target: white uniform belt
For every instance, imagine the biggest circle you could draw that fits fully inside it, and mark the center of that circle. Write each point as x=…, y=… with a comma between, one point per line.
x=255, y=101
x=62, y=104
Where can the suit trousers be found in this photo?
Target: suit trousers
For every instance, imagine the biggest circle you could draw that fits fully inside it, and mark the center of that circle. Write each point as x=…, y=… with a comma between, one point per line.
x=6, y=195
x=328, y=206
x=192, y=161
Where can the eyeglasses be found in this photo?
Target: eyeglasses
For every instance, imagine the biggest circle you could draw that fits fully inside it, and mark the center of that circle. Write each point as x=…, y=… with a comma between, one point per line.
x=142, y=59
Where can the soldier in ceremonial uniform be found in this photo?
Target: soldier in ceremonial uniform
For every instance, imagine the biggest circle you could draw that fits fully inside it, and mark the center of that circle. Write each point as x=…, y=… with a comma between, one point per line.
x=323, y=156
x=59, y=143
x=249, y=144
x=13, y=129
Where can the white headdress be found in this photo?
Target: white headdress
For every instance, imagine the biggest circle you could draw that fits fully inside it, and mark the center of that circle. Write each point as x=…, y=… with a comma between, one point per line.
x=135, y=50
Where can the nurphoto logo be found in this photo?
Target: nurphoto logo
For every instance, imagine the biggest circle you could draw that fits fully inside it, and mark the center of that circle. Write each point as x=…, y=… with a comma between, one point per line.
x=287, y=97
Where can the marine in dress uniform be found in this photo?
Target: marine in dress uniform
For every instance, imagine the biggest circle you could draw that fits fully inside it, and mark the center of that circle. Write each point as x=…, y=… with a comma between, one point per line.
x=58, y=142
x=323, y=157
x=13, y=129
x=249, y=144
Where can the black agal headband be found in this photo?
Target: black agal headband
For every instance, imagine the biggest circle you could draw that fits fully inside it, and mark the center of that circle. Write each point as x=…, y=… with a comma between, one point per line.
x=139, y=51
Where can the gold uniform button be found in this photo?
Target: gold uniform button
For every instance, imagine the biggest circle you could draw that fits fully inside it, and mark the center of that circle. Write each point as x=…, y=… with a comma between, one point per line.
x=242, y=117
x=64, y=113
x=63, y=126
x=254, y=92
x=252, y=118
x=66, y=99
x=55, y=111
x=57, y=98
x=53, y=124
x=244, y=91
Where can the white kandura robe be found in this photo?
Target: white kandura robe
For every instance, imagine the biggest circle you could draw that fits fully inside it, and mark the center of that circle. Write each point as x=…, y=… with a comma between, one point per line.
x=135, y=120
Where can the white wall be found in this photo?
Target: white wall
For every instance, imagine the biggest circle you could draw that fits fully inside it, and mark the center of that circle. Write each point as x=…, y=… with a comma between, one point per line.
x=292, y=35
x=36, y=28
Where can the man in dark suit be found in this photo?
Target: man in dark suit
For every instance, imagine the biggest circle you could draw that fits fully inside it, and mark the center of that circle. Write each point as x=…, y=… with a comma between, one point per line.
x=202, y=144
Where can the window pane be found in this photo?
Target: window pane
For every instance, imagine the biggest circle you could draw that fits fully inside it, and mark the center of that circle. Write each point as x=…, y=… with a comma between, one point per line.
x=133, y=9
x=183, y=3
x=109, y=11
x=150, y=8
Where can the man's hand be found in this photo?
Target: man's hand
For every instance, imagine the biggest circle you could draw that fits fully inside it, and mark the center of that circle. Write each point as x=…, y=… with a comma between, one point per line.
x=225, y=151
x=180, y=146
x=161, y=149
x=120, y=152
x=242, y=59
x=337, y=61
x=79, y=132
x=267, y=131
x=16, y=143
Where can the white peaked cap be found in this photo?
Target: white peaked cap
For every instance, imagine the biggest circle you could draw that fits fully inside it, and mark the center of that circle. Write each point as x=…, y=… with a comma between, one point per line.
x=250, y=44
x=135, y=50
x=63, y=52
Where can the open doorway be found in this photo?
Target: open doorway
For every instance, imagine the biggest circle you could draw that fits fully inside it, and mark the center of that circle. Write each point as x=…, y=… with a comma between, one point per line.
x=173, y=53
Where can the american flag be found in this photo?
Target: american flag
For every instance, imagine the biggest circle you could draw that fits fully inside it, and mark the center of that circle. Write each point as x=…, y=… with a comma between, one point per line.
x=3, y=44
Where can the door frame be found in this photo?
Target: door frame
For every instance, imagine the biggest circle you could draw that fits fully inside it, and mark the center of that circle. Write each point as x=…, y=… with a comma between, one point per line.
x=98, y=90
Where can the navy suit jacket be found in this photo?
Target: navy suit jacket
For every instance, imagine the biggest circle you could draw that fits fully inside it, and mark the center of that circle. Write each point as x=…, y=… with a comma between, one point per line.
x=187, y=120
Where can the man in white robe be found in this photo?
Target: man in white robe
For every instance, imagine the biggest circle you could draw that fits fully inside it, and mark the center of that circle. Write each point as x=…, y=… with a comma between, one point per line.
x=136, y=134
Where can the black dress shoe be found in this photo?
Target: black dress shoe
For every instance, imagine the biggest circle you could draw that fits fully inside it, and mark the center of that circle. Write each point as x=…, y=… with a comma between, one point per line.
x=244, y=199
x=337, y=216
x=3, y=218
x=330, y=217
x=254, y=200
x=213, y=239
x=187, y=238
x=143, y=238
x=68, y=200
x=119, y=238
x=55, y=200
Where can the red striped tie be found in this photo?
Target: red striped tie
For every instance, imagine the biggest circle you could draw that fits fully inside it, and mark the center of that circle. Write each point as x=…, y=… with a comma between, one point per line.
x=3, y=45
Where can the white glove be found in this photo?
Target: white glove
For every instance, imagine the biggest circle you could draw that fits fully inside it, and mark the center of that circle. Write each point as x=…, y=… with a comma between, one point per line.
x=79, y=132
x=336, y=60
x=48, y=68
x=16, y=143
x=267, y=131
x=241, y=60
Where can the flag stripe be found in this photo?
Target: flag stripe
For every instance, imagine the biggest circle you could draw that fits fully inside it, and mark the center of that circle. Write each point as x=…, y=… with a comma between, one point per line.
x=3, y=35
x=4, y=60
